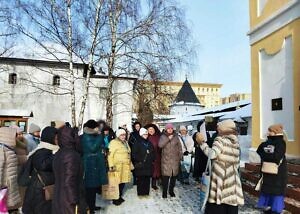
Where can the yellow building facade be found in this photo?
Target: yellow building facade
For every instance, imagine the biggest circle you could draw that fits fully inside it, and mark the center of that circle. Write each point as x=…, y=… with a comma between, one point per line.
x=275, y=65
x=236, y=97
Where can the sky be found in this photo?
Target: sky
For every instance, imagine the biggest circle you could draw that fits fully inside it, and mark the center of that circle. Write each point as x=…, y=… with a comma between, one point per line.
x=219, y=30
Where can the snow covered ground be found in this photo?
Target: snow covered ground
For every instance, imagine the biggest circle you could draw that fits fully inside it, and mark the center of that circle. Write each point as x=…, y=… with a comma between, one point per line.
x=186, y=201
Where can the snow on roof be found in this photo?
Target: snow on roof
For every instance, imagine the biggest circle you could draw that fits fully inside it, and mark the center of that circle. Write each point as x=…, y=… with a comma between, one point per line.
x=15, y=112
x=243, y=112
x=225, y=106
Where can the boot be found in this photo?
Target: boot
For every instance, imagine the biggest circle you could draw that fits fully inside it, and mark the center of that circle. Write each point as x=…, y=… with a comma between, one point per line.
x=153, y=185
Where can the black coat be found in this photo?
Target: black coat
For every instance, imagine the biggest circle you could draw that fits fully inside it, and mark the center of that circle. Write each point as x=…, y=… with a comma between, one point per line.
x=274, y=184
x=67, y=171
x=34, y=200
x=143, y=157
x=200, y=157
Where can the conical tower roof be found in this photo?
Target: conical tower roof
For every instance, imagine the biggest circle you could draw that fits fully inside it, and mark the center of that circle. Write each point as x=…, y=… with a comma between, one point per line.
x=186, y=94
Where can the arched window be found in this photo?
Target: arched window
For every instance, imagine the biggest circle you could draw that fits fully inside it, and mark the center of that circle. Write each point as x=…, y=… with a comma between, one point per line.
x=12, y=78
x=56, y=80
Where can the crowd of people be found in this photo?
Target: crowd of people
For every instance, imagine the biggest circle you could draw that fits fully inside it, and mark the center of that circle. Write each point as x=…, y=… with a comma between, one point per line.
x=55, y=170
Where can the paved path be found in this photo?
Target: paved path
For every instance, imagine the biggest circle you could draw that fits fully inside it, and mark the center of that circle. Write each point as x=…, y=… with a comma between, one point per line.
x=186, y=202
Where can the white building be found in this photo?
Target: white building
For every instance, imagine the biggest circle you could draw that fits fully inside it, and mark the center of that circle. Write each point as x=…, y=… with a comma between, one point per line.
x=42, y=89
x=186, y=101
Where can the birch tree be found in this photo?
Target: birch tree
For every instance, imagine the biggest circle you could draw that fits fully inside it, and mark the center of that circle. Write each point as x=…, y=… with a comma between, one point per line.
x=64, y=33
x=148, y=39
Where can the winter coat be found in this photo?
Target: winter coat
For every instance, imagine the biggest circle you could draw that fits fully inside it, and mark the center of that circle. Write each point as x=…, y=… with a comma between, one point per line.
x=187, y=143
x=200, y=157
x=154, y=139
x=66, y=167
x=143, y=157
x=31, y=142
x=21, y=151
x=9, y=167
x=95, y=170
x=134, y=136
x=171, y=154
x=119, y=159
x=225, y=185
x=41, y=163
x=274, y=184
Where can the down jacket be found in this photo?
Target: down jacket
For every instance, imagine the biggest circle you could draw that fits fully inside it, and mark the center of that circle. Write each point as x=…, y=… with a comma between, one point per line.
x=67, y=172
x=225, y=186
x=9, y=167
x=171, y=154
x=120, y=160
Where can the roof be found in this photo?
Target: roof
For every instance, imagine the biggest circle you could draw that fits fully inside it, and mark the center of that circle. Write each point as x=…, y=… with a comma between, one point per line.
x=186, y=94
x=15, y=113
x=39, y=62
x=222, y=111
x=243, y=112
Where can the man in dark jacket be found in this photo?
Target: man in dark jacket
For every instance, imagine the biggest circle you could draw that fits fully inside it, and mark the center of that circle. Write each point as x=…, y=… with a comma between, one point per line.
x=66, y=167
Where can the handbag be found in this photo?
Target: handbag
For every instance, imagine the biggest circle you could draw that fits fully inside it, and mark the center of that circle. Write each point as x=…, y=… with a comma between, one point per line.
x=3, y=200
x=3, y=189
x=205, y=184
x=48, y=190
x=111, y=190
x=270, y=167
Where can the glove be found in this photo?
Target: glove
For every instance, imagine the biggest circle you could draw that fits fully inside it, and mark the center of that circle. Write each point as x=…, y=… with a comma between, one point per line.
x=186, y=153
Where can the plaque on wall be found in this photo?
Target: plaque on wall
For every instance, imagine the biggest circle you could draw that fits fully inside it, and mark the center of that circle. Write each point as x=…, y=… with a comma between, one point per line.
x=277, y=104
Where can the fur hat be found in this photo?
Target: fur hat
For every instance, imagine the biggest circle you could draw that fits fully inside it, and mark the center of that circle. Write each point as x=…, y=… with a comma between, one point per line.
x=226, y=126
x=8, y=136
x=182, y=128
x=169, y=126
x=277, y=129
x=48, y=135
x=120, y=132
x=143, y=131
x=92, y=124
x=34, y=128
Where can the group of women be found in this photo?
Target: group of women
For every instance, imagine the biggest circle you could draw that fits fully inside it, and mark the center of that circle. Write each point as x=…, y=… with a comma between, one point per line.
x=70, y=162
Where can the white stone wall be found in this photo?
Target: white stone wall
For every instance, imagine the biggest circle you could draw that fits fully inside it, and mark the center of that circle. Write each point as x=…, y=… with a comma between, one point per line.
x=179, y=109
x=48, y=107
x=276, y=81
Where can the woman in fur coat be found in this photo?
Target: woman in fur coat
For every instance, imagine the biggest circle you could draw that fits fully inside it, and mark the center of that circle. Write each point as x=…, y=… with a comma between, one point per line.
x=225, y=194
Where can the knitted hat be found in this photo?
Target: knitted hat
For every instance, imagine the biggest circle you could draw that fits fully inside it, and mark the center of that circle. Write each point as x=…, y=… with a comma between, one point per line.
x=8, y=136
x=48, y=135
x=276, y=129
x=182, y=128
x=143, y=131
x=226, y=126
x=120, y=132
x=91, y=124
x=34, y=128
x=17, y=128
x=169, y=126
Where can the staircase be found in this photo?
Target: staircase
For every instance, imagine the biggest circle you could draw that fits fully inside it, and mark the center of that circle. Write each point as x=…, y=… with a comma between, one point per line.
x=250, y=176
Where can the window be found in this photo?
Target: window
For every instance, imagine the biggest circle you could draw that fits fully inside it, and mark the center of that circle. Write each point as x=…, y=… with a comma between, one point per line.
x=12, y=78
x=56, y=80
x=102, y=92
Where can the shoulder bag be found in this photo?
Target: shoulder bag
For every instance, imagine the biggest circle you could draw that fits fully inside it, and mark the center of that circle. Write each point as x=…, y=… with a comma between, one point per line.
x=48, y=190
